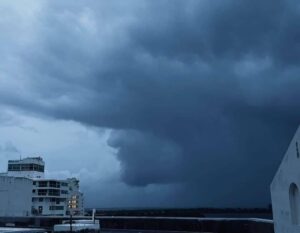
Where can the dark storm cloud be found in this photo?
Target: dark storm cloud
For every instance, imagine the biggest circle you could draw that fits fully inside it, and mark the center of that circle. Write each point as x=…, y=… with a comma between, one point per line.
x=155, y=153
x=9, y=148
x=7, y=151
x=200, y=94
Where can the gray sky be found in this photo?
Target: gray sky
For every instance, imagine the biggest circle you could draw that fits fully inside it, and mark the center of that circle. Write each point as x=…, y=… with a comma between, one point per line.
x=152, y=103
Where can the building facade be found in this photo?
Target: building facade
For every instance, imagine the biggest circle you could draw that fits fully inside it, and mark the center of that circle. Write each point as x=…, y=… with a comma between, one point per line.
x=48, y=197
x=15, y=196
x=285, y=190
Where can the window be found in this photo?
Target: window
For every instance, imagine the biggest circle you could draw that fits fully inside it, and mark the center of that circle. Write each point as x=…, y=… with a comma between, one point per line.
x=294, y=204
x=14, y=167
x=41, y=168
x=41, y=199
x=56, y=207
x=43, y=184
x=25, y=167
x=54, y=184
x=60, y=207
x=42, y=192
x=53, y=192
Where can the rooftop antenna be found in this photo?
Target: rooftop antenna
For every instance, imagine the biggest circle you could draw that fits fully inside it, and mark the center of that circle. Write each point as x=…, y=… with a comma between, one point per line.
x=93, y=215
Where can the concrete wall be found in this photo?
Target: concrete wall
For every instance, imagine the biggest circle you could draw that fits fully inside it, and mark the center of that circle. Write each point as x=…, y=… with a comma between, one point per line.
x=285, y=190
x=15, y=196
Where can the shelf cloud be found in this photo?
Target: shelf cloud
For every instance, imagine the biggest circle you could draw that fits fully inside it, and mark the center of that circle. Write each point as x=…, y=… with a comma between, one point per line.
x=200, y=97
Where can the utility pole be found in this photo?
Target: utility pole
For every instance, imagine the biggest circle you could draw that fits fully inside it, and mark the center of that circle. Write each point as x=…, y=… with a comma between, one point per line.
x=71, y=220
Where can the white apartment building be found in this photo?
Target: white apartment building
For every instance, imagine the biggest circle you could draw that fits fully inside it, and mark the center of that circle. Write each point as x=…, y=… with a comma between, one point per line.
x=48, y=197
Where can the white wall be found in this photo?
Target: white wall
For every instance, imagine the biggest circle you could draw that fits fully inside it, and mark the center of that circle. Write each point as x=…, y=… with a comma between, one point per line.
x=45, y=204
x=27, y=174
x=285, y=199
x=15, y=196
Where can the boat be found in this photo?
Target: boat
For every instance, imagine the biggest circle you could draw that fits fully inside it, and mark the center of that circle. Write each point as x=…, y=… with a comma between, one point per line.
x=81, y=225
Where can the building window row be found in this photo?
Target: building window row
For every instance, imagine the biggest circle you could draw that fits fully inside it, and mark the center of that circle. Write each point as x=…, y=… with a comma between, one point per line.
x=42, y=184
x=56, y=207
x=52, y=199
x=42, y=192
x=51, y=183
x=47, y=192
x=53, y=192
x=54, y=184
x=26, y=167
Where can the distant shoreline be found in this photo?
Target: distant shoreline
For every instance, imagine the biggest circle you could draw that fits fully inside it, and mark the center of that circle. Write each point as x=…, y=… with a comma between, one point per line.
x=185, y=212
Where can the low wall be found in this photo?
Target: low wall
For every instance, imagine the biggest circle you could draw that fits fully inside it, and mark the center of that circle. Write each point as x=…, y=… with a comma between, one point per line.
x=217, y=225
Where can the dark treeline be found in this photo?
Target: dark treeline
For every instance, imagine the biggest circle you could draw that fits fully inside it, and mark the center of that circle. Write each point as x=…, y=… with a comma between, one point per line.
x=193, y=212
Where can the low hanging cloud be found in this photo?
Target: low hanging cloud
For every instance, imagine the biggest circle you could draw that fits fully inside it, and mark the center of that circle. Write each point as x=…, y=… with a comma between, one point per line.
x=199, y=95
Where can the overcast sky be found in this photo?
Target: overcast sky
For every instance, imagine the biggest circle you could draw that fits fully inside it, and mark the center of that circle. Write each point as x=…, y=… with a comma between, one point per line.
x=179, y=103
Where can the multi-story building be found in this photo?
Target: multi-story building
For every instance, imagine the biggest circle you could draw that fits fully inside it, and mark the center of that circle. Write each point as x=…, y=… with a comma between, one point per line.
x=75, y=200
x=47, y=196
